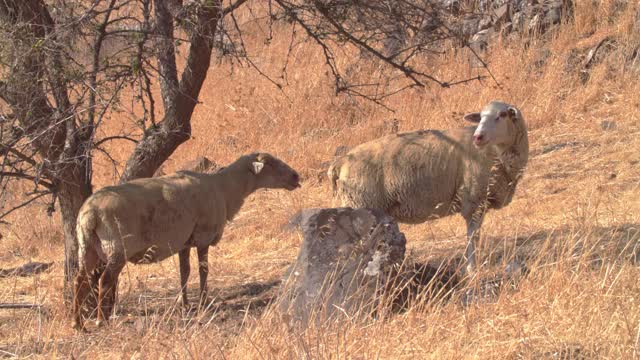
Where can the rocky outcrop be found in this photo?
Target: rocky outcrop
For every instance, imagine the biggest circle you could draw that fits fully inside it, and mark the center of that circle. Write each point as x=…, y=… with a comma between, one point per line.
x=508, y=18
x=346, y=259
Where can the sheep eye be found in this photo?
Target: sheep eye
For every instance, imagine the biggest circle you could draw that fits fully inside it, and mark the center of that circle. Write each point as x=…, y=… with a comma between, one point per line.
x=503, y=114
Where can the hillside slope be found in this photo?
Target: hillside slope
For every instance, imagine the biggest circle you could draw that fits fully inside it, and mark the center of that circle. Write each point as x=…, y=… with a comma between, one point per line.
x=575, y=218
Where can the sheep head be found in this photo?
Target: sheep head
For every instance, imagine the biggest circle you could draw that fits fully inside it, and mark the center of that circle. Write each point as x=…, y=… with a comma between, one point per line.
x=273, y=173
x=497, y=124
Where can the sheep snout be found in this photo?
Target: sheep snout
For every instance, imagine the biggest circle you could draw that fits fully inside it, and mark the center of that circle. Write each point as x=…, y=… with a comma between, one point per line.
x=294, y=182
x=479, y=140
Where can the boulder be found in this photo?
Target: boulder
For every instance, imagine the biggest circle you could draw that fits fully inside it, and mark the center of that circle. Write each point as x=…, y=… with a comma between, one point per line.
x=200, y=164
x=346, y=259
x=517, y=16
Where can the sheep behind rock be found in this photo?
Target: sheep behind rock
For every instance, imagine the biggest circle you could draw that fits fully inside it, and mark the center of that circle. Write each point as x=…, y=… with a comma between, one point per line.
x=148, y=220
x=422, y=175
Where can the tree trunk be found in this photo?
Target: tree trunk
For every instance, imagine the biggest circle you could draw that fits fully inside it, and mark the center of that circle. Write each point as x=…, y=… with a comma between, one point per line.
x=71, y=196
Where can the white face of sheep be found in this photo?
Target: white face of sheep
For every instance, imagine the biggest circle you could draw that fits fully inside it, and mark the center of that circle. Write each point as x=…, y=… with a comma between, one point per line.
x=273, y=173
x=495, y=124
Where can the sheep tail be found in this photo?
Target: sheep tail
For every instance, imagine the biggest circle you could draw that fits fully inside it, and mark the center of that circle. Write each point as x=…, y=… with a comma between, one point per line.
x=85, y=230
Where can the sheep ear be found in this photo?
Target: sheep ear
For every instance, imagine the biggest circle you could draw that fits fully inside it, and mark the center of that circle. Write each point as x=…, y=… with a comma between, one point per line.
x=473, y=117
x=513, y=112
x=256, y=167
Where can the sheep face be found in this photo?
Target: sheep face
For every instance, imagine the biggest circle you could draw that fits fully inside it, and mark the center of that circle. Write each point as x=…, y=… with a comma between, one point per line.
x=495, y=124
x=273, y=173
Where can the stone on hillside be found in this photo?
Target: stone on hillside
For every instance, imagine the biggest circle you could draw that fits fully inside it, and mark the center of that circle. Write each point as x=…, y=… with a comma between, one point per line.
x=200, y=164
x=346, y=259
x=608, y=125
x=514, y=16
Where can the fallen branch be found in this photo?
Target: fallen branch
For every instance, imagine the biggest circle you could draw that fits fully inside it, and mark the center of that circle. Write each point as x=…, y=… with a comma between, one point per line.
x=21, y=306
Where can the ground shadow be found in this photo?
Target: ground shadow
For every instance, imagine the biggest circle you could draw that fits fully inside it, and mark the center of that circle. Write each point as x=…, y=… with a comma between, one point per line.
x=436, y=278
x=441, y=277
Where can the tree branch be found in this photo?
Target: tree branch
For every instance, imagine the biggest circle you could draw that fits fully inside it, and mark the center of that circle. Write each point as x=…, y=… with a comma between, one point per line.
x=115, y=137
x=5, y=214
x=20, y=175
x=229, y=9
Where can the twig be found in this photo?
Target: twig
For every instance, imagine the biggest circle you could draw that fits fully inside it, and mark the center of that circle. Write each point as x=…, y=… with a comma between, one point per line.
x=20, y=306
x=115, y=137
x=24, y=204
x=232, y=7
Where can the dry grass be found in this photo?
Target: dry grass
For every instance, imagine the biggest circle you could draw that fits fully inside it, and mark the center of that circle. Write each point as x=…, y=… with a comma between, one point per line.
x=575, y=219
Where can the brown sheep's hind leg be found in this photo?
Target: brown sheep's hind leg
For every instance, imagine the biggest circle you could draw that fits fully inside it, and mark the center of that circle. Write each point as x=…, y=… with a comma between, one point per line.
x=203, y=269
x=82, y=286
x=107, y=287
x=82, y=289
x=185, y=269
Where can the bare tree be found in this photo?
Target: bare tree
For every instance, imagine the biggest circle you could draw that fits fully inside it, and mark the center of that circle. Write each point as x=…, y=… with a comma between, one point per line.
x=65, y=66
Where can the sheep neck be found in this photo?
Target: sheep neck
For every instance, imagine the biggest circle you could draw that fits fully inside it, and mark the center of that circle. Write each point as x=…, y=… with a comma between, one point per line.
x=514, y=158
x=236, y=179
x=509, y=164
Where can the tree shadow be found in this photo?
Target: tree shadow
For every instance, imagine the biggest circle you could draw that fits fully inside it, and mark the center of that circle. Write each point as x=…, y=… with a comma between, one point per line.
x=439, y=278
x=436, y=279
x=229, y=304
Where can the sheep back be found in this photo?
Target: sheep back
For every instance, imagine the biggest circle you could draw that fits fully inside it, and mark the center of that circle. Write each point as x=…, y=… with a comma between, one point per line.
x=152, y=218
x=414, y=176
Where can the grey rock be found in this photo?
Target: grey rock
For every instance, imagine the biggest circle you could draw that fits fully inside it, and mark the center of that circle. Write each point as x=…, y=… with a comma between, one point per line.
x=501, y=14
x=28, y=269
x=608, y=125
x=485, y=23
x=452, y=6
x=535, y=24
x=553, y=16
x=529, y=15
x=479, y=43
x=470, y=25
x=346, y=259
x=200, y=164
x=518, y=20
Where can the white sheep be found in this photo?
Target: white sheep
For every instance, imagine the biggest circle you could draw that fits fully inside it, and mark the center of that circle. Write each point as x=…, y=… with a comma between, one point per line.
x=422, y=175
x=148, y=220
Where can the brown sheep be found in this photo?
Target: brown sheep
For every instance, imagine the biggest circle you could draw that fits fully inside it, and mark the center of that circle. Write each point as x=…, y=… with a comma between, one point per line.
x=422, y=175
x=151, y=219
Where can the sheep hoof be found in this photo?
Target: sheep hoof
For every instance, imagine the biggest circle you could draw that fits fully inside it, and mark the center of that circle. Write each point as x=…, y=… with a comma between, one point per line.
x=470, y=270
x=78, y=326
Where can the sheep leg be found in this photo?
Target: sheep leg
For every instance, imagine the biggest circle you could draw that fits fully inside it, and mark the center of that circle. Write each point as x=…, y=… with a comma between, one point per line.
x=94, y=278
x=185, y=269
x=203, y=269
x=473, y=236
x=82, y=288
x=107, y=287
